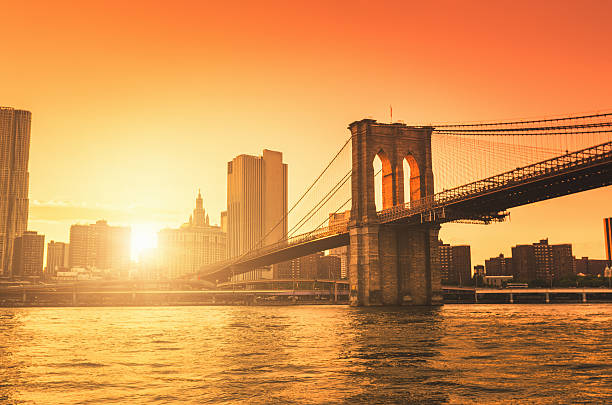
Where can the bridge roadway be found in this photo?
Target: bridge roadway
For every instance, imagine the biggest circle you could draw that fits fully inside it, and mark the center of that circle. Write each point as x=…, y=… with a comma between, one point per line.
x=483, y=201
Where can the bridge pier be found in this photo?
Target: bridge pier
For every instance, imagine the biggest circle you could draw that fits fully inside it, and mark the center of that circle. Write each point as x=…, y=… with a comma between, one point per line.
x=394, y=265
x=391, y=263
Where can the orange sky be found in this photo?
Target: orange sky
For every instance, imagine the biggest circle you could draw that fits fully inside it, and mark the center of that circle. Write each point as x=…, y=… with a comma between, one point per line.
x=137, y=104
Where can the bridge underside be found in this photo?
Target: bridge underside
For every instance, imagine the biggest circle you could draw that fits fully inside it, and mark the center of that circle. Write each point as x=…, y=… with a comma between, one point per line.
x=281, y=255
x=490, y=205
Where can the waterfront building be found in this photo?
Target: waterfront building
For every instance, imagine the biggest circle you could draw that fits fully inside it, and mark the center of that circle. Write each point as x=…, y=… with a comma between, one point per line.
x=196, y=243
x=496, y=281
x=593, y=267
x=455, y=264
x=28, y=254
x=57, y=258
x=14, y=180
x=461, y=264
x=100, y=246
x=541, y=261
x=479, y=270
x=445, y=252
x=608, y=238
x=498, y=266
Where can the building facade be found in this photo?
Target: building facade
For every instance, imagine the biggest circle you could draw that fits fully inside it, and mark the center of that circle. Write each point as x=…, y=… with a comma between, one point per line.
x=256, y=201
x=28, y=255
x=14, y=181
x=455, y=264
x=186, y=249
x=57, y=258
x=101, y=246
x=498, y=266
x=592, y=267
x=541, y=261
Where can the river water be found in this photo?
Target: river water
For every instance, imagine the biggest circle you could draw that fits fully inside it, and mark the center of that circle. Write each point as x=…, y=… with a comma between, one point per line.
x=307, y=354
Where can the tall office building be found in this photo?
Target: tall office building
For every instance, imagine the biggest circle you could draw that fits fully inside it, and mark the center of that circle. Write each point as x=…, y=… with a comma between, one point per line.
x=28, y=255
x=57, y=257
x=608, y=238
x=256, y=201
x=100, y=246
x=195, y=244
x=14, y=155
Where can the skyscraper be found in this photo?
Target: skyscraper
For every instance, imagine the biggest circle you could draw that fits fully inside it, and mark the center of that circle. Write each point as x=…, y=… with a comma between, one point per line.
x=256, y=201
x=14, y=155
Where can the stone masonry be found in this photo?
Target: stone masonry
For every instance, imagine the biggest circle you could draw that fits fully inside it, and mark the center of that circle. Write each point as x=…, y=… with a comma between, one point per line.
x=391, y=264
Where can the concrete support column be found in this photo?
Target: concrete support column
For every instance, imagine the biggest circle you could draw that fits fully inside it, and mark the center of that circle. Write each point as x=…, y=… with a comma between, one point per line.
x=584, y=299
x=74, y=296
x=24, y=296
x=547, y=298
x=511, y=298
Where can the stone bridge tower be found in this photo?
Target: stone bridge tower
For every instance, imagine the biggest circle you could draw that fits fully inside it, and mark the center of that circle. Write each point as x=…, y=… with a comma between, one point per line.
x=391, y=264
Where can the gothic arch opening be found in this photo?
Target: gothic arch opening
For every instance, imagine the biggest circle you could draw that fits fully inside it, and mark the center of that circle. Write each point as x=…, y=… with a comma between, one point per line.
x=383, y=181
x=412, y=179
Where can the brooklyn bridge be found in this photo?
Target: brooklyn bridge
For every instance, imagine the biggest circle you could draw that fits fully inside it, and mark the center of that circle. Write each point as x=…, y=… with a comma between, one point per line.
x=388, y=189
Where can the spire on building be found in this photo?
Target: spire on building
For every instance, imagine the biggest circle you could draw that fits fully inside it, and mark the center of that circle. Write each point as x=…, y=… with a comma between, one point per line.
x=199, y=215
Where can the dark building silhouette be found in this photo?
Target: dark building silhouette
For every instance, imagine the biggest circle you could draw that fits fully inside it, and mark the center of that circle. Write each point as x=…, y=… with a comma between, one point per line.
x=455, y=264
x=541, y=261
x=28, y=255
x=461, y=265
x=445, y=261
x=593, y=267
x=499, y=266
x=14, y=180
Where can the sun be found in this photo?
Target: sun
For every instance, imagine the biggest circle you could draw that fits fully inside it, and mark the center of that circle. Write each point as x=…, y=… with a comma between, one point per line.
x=144, y=236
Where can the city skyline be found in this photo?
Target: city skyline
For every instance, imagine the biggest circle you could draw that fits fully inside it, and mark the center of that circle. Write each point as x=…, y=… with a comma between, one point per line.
x=121, y=137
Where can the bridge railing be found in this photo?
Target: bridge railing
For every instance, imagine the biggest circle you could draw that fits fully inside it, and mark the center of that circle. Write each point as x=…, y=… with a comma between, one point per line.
x=571, y=160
